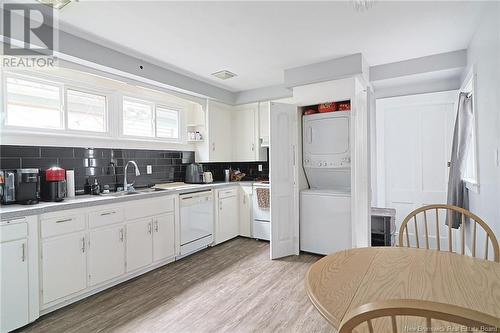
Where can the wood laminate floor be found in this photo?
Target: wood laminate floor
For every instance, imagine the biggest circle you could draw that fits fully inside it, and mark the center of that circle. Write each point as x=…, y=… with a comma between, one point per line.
x=232, y=287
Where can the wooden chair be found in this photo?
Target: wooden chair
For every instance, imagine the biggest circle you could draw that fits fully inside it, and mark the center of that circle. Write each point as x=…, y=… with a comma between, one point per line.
x=465, y=215
x=446, y=314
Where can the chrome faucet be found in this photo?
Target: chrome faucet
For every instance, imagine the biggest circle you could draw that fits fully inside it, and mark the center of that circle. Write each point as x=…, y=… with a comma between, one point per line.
x=130, y=187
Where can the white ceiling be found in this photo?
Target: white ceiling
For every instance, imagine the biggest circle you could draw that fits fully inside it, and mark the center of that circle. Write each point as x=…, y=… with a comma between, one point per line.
x=258, y=40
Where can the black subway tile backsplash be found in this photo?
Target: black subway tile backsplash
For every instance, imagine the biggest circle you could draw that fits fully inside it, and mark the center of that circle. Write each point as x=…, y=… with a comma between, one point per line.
x=19, y=151
x=251, y=169
x=108, y=165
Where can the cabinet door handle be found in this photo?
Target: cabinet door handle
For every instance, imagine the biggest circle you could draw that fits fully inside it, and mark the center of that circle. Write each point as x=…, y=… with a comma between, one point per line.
x=156, y=226
x=83, y=245
x=23, y=255
x=213, y=146
x=149, y=227
x=253, y=146
x=108, y=213
x=65, y=220
x=121, y=235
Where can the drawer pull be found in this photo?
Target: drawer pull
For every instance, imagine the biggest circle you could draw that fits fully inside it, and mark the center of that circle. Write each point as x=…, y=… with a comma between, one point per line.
x=108, y=213
x=65, y=220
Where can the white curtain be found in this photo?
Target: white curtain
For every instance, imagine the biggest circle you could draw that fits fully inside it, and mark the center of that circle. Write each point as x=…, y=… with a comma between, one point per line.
x=462, y=137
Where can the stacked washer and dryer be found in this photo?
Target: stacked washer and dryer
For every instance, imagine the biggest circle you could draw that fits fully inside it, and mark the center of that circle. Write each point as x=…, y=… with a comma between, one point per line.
x=325, y=208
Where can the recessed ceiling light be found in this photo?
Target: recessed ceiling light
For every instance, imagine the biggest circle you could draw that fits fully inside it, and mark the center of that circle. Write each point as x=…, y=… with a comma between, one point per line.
x=224, y=75
x=56, y=4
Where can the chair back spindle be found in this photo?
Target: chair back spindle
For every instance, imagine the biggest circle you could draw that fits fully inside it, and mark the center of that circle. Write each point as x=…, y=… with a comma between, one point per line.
x=466, y=218
x=443, y=316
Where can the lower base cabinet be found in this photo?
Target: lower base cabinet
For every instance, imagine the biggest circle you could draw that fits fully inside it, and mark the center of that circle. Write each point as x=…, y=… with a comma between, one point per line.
x=163, y=236
x=14, y=308
x=106, y=255
x=64, y=262
x=227, y=215
x=139, y=243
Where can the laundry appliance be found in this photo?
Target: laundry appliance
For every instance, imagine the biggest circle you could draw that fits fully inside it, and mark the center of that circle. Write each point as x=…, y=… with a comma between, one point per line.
x=325, y=208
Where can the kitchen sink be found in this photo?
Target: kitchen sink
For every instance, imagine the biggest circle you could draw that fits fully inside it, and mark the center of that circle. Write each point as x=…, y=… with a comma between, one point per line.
x=139, y=191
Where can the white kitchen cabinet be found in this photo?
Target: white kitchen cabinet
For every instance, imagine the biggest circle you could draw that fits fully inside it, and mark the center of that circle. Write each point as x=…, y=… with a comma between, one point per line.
x=14, y=292
x=163, y=236
x=245, y=207
x=227, y=215
x=64, y=266
x=19, y=280
x=217, y=146
x=233, y=134
x=106, y=254
x=139, y=243
x=244, y=141
x=264, y=109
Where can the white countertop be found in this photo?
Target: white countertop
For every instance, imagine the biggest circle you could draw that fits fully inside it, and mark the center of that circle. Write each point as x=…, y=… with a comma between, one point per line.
x=81, y=201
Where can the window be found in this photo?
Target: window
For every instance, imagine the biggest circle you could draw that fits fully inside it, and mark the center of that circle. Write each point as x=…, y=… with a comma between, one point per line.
x=138, y=118
x=86, y=112
x=167, y=123
x=32, y=103
x=146, y=119
x=470, y=174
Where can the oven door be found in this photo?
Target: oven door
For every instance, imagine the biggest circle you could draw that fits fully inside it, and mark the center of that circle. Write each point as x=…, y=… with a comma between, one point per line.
x=261, y=214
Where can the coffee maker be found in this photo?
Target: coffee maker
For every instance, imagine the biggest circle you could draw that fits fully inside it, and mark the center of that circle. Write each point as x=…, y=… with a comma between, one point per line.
x=27, y=186
x=53, y=184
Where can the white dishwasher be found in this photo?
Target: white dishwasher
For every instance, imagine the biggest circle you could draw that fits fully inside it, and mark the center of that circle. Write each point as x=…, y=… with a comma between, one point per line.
x=196, y=220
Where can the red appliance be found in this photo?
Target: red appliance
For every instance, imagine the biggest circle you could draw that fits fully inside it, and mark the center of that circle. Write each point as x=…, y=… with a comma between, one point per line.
x=53, y=187
x=327, y=107
x=345, y=106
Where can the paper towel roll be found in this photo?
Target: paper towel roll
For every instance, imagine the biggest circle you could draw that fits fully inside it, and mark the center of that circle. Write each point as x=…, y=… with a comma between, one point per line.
x=70, y=183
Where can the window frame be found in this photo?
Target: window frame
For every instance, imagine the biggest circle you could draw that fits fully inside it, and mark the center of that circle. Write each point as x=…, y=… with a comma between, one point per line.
x=171, y=108
x=14, y=128
x=114, y=110
x=469, y=85
x=107, y=96
x=122, y=117
x=155, y=103
x=63, y=86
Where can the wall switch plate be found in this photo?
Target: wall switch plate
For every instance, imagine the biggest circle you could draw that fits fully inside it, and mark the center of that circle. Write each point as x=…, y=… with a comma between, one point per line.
x=149, y=169
x=260, y=167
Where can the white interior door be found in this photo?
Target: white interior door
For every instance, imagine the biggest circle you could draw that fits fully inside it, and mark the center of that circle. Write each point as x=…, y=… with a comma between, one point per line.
x=283, y=177
x=414, y=136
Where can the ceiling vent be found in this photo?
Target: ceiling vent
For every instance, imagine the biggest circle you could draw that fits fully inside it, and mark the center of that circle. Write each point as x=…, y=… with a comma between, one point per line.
x=56, y=4
x=224, y=75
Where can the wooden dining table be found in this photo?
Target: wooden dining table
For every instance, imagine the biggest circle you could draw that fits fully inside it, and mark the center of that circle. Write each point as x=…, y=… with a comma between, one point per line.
x=345, y=280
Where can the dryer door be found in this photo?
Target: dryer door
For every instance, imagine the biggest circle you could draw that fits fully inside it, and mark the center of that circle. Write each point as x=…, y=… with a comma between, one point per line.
x=326, y=136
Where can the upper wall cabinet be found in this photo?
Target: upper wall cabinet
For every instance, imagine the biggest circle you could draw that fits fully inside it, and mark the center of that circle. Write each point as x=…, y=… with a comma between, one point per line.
x=264, y=109
x=232, y=134
x=217, y=146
